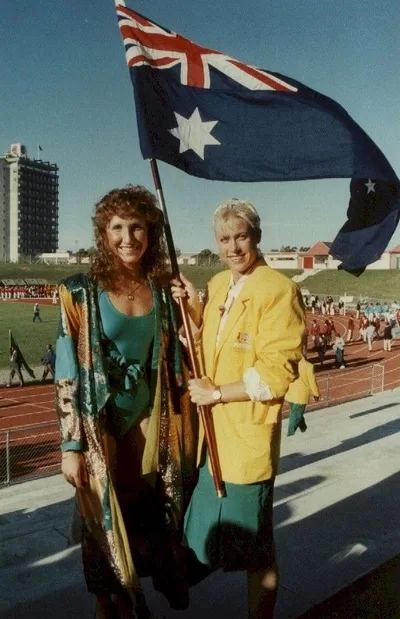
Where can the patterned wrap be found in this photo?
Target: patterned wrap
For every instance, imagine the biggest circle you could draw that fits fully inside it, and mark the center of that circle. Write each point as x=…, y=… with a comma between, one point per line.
x=82, y=394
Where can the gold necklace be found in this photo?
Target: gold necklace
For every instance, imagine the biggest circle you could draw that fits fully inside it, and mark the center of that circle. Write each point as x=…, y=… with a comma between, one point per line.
x=131, y=294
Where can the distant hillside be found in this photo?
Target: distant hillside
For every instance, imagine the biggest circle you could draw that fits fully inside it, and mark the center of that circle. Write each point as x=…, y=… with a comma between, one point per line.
x=377, y=285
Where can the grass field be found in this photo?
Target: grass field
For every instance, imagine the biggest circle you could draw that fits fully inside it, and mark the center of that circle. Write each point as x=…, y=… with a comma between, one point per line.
x=31, y=337
x=375, y=285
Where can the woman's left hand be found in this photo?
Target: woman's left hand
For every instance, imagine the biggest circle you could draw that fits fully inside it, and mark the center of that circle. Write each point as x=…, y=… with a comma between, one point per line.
x=201, y=390
x=184, y=289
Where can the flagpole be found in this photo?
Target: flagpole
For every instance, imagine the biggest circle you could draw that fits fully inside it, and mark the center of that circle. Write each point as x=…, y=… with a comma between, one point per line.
x=204, y=411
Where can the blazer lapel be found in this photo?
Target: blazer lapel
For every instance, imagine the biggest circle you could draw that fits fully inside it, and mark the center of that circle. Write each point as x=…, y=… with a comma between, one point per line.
x=237, y=309
x=213, y=320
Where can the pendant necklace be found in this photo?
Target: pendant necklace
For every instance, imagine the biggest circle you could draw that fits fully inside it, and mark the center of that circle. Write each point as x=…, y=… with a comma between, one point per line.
x=131, y=294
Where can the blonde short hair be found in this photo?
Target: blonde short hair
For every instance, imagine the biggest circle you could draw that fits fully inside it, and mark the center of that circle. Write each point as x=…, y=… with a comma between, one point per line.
x=242, y=209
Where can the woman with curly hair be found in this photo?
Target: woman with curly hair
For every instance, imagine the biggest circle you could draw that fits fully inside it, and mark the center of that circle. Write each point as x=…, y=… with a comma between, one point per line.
x=127, y=432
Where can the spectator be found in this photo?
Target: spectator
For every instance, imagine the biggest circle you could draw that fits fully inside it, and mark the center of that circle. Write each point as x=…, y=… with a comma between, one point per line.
x=370, y=333
x=387, y=337
x=327, y=331
x=36, y=313
x=338, y=347
x=15, y=367
x=363, y=324
x=49, y=362
x=314, y=331
x=320, y=346
x=350, y=328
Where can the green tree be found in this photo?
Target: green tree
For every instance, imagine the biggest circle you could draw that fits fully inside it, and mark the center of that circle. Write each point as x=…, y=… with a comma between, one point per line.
x=207, y=258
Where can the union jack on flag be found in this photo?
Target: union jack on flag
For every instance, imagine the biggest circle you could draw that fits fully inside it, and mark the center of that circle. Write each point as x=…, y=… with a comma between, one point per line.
x=146, y=43
x=215, y=117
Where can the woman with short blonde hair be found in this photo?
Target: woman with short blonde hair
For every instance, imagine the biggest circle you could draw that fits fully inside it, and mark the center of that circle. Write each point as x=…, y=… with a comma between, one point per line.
x=251, y=335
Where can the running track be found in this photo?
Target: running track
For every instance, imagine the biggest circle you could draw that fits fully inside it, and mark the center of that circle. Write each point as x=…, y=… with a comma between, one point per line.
x=28, y=413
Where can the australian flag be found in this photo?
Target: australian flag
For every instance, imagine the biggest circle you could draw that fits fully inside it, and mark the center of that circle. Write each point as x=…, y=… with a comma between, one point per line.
x=217, y=118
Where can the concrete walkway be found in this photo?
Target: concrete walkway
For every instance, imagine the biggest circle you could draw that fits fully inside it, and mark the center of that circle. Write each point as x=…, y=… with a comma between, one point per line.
x=336, y=518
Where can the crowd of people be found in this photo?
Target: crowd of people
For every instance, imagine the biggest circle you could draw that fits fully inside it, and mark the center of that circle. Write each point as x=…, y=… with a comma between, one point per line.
x=327, y=306
x=373, y=327
x=44, y=291
x=380, y=324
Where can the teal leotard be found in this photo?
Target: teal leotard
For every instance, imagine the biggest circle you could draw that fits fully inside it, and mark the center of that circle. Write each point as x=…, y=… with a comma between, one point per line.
x=129, y=341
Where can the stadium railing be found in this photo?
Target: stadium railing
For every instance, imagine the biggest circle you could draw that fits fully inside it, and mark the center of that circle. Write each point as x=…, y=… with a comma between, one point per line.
x=338, y=387
x=29, y=453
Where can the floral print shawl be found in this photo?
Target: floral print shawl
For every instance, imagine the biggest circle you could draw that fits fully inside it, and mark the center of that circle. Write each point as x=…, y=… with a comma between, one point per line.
x=82, y=396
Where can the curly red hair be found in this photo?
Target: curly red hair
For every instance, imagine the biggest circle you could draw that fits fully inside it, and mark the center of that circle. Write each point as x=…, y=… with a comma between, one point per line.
x=130, y=201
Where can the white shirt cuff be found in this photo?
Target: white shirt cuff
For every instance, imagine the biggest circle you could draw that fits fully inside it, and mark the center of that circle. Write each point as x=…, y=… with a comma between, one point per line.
x=255, y=387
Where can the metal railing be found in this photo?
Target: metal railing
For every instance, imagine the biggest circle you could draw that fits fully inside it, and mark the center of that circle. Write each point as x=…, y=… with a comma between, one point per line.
x=29, y=453
x=338, y=387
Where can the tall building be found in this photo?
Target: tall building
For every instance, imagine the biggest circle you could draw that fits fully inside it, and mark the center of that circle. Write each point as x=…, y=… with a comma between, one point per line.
x=28, y=205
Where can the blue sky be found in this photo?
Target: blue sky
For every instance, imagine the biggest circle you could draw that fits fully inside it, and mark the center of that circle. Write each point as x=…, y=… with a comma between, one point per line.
x=65, y=86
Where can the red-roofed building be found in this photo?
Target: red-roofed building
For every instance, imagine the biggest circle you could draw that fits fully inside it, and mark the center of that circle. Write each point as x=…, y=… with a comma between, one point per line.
x=395, y=257
x=317, y=257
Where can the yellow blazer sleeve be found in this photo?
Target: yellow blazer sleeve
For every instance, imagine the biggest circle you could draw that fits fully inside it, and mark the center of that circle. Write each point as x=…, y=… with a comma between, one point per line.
x=278, y=340
x=312, y=382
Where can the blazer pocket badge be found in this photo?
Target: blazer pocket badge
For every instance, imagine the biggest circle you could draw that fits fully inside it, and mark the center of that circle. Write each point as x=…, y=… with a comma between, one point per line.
x=243, y=341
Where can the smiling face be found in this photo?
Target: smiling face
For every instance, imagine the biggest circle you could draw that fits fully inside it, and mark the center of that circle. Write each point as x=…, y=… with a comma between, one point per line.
x=237, y=245
x=128, y=239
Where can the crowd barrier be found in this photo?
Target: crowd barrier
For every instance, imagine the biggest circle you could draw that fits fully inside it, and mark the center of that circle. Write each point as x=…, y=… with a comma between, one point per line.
x=29, y=453
x=338, y=387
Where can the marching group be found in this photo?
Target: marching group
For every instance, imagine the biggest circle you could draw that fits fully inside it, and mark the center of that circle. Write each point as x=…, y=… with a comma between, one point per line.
x=326, y=337
x=18, y=363
x=327, y=306
x=372, y=326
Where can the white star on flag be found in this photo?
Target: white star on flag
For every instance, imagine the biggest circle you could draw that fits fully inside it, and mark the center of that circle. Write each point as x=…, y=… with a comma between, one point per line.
x=370, y=186
x=194, y=134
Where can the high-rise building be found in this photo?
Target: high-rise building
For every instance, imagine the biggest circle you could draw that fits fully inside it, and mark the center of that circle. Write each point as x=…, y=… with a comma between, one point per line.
x=28, y=205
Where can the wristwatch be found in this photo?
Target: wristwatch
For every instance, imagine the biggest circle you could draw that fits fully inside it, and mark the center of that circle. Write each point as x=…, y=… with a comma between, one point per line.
x=216, y=394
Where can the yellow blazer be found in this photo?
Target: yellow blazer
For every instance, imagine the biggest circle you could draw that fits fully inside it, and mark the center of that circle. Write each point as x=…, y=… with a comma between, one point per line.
x=304, y=386
x=263, y=330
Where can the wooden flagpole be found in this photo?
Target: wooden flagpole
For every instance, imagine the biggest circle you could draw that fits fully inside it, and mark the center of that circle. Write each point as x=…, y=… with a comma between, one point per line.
x=204, y=411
